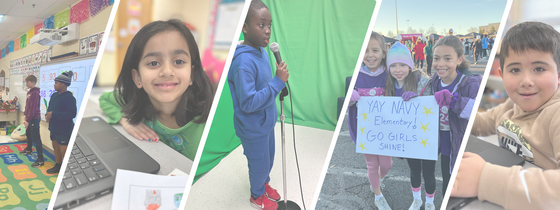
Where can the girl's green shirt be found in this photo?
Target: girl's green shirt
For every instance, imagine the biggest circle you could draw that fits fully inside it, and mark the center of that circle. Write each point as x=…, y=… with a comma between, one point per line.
x=184, y=140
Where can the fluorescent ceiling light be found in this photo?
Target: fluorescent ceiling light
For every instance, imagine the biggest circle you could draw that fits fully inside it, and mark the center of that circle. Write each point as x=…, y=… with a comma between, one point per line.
x=1, y=18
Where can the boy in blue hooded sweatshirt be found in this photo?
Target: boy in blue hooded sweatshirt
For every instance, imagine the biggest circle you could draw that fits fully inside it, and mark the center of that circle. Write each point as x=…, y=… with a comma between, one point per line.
x=254, y=91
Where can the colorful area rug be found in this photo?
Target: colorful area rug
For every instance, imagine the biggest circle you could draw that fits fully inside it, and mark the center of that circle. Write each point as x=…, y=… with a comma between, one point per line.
x=23, y=187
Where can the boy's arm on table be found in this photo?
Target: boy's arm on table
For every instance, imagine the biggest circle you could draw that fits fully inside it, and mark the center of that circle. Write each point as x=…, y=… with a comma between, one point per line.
x=69, y=113
x=518, y=188
x=485, y=122
x=250, y=99
x=112, y=109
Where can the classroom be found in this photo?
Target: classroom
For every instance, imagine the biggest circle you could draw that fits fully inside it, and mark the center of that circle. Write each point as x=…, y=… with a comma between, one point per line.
x=28, y=50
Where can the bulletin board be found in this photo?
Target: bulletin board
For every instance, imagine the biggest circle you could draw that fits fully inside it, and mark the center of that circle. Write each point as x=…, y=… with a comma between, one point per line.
x=82, y=68
x=227, y=16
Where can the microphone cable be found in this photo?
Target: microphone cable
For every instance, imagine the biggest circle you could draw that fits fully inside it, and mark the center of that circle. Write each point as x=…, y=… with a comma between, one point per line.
x=294, y=140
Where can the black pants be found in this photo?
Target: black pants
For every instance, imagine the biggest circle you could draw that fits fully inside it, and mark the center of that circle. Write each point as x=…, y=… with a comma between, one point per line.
x=34, y=136
x=429, y=60
x=476, y=54
x=484, y=52
x=419, y=63
x=427, y=169
x=445, y=171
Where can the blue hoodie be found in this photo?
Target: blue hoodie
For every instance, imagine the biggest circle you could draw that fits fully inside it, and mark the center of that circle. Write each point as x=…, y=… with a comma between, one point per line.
x=254, y=90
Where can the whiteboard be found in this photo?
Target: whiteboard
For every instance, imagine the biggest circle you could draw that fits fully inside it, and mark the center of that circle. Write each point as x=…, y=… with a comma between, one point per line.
x=82, y=68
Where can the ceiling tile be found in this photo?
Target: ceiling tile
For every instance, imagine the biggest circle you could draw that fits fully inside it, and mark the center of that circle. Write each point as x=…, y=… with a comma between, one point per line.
x=30, y=8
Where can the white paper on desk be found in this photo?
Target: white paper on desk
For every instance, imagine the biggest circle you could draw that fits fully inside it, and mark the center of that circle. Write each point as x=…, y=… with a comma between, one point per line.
x=135, y=190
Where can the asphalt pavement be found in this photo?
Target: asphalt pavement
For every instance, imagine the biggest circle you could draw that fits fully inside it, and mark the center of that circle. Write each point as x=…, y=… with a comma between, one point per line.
x=346, y=184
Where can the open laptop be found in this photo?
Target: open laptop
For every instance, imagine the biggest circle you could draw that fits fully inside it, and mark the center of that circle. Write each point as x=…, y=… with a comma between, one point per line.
x=490, y=153
x=99, y=150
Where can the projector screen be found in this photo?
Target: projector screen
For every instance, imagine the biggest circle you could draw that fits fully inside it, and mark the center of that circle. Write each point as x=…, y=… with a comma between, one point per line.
x=82, y=68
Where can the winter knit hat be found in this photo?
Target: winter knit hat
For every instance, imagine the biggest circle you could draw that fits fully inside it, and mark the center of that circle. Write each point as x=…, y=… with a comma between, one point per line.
x=399, y=54
x=65, y=77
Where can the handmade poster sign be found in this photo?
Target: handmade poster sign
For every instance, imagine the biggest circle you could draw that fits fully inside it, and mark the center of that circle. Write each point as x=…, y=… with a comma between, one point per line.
x=392, y=127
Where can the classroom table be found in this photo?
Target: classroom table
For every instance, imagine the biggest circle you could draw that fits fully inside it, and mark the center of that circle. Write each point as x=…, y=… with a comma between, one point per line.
x=168, y=158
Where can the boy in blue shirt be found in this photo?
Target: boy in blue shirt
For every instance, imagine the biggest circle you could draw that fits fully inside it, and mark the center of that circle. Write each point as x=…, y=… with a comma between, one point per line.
x=254, y=91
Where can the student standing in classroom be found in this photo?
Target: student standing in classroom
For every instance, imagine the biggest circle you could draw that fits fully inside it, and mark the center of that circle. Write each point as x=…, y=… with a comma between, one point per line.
x=32, y=118
x=62, y=109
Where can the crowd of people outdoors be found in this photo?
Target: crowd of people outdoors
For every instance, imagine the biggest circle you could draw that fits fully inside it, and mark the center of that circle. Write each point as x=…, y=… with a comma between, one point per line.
x=420, y=47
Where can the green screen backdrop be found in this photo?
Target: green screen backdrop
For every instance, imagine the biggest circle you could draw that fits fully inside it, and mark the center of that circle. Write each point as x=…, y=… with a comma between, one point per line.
x=320, y=42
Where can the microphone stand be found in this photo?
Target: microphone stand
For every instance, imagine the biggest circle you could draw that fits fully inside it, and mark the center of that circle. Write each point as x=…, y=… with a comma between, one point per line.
x=285, y=204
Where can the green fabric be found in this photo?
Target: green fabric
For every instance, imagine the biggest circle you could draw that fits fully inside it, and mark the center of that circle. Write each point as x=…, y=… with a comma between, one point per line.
x=184, y=140
x=320, y=42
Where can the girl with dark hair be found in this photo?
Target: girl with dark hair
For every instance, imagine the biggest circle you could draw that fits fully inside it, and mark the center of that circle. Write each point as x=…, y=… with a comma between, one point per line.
x=162, y=92
x=454, y=88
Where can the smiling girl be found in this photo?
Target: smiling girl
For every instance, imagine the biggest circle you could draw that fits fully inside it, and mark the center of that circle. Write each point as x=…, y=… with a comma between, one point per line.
x=162, y=92
x=455, y=90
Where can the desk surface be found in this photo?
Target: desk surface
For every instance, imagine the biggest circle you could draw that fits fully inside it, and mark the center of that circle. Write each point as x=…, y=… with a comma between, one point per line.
x=168, y=158
x=477, y=204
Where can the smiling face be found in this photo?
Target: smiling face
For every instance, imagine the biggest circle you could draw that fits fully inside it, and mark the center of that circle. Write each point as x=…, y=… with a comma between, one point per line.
x=530, y=78
x=257, y=29
x=164, y=70
x=399, y=71
x=374, y=55
x=445, y=63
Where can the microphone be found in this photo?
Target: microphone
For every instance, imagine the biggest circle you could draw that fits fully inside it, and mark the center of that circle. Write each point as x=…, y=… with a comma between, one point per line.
x=276, y=51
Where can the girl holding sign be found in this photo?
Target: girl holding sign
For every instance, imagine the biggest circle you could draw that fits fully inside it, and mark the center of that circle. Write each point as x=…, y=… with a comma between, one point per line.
x=371, y=82
x=455, y=90
x=162, y=92
x=408, y=84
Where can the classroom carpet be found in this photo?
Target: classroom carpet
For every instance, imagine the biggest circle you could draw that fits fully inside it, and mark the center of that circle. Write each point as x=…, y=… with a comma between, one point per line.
x=23, y=187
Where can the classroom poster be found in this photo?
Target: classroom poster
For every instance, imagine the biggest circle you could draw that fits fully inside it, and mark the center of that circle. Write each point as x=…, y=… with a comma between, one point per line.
x=93, y=45
x=392, y=127
x=84, y=42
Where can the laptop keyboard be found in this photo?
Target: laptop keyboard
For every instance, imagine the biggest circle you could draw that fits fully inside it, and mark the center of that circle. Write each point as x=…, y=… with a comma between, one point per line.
x=83, y=167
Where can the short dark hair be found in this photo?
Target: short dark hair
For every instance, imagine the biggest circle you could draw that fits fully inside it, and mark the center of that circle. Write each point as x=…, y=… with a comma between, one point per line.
x=255, y=6
x=528, y=36
x=136, y=104
x=31, y=78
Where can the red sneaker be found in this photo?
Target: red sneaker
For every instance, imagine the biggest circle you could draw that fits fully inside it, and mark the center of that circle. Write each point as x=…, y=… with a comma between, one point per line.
x=263, y=203
x=271, y=193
